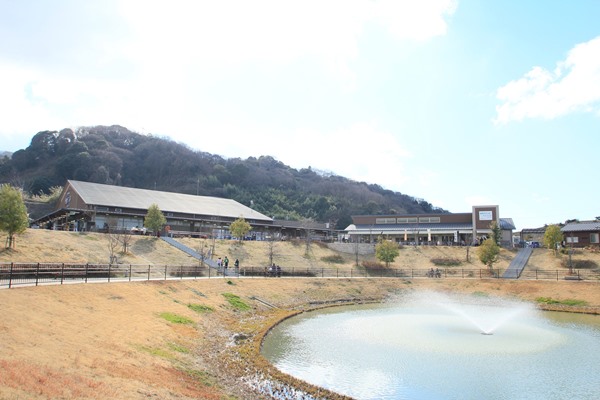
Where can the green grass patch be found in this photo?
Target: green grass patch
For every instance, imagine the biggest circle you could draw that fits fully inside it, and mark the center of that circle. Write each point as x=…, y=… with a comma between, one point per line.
x=178, y=348
x=236, y=302
x=480, y=294
x=176, y=319
x=200, y=308
x=155, y=351
x=566, y=302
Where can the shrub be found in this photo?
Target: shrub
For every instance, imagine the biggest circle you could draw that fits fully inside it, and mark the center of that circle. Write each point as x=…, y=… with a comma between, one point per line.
x=334, y=259
x=446, y=262
x=579, y=264
x=372, y=265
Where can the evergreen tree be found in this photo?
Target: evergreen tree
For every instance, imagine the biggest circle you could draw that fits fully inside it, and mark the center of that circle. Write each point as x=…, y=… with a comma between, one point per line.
x=13, y=213
x=154, y=219
x=496, y=232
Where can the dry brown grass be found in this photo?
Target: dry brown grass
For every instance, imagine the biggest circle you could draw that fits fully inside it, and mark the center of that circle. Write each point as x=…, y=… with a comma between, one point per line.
x=96, y=341
x=38, y=245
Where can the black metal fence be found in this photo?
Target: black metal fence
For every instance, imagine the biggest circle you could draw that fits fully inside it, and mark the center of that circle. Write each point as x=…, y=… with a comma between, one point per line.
x=33, y=274
x=16, y=274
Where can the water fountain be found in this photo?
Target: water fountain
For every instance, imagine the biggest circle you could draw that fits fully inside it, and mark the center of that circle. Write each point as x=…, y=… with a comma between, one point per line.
x=438, y=346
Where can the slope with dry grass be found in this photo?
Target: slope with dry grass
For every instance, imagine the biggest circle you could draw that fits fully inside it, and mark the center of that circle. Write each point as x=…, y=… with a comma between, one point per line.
x=38, y=245
x=197, y=338
x=185, y=339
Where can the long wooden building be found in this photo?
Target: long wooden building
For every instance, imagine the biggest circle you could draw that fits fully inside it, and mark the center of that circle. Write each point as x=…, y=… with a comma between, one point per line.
x=86, y=206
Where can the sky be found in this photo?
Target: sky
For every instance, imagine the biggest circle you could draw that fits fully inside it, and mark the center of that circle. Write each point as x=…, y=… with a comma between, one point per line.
x=457, y=102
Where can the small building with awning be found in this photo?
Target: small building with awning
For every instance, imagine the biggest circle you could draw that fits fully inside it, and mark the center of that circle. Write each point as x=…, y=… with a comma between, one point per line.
x=582, y=234
x=448, y=229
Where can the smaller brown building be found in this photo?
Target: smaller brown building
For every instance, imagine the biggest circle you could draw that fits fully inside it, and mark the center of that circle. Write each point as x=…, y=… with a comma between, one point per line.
x=582, y=234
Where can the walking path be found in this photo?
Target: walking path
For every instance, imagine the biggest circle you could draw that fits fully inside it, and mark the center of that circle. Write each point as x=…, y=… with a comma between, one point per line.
x=518, y=264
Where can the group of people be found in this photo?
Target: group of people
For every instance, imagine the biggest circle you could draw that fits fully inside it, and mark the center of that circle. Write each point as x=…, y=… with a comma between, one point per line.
x=273, y=270
x=225, y=263
x=434, y=273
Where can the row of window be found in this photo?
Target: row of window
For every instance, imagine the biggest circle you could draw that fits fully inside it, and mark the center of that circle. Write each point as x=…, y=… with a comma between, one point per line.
x=408, y=220
x=594, y=238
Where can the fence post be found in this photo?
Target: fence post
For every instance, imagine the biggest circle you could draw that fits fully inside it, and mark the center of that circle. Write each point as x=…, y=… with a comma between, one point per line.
x=109, y=268
x=148, y=272
x=129, y=272
x=536, y=275
x=37, y=273
x=62, y=273
x=86, y=272
x=165, y=272
x=10, y=275
x=556, y=274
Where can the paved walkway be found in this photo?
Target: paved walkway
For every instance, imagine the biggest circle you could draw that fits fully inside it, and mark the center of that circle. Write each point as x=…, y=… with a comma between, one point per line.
x=518, y=264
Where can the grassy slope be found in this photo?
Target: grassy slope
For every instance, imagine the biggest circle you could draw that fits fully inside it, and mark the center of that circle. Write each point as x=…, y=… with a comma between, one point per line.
x=38, y=245
x=98, y=341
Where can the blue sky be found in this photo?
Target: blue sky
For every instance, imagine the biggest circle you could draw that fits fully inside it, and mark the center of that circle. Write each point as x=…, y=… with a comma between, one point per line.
x=461, y=103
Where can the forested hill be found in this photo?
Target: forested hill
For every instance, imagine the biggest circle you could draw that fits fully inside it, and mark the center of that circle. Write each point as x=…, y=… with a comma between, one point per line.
x=116, y=156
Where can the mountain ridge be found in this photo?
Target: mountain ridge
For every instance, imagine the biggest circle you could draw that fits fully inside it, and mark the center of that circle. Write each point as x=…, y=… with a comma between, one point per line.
x=117, y=156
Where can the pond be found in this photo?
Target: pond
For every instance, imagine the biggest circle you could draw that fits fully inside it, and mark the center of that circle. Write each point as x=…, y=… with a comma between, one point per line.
x=434, y=346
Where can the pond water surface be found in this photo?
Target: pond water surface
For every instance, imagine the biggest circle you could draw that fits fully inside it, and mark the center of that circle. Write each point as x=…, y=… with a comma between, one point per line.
x=433, y=348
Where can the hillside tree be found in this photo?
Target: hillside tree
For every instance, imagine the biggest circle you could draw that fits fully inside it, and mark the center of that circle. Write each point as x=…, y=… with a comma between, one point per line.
x=496, y=232
x=386, y=251
x=239, y=228
x=553, y=237
x=13, y=214
x=488, y=252
x=154, y=219
x=271, y=250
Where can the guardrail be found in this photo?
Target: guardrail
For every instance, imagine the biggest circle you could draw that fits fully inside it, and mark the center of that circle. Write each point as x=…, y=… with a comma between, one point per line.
x=34, y=274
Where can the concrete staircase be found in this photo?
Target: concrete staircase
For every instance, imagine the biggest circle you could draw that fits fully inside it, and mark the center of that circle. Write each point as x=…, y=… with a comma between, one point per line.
x=518, y=264
x=207, y=260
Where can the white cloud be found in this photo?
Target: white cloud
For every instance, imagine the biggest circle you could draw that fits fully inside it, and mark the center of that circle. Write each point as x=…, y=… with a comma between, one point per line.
x=151, y=76
x=21, y=109
x=189, y=34
x=573, y=86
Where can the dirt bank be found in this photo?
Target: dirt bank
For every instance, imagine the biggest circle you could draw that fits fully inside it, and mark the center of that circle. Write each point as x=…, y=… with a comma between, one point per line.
x=185, y=339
